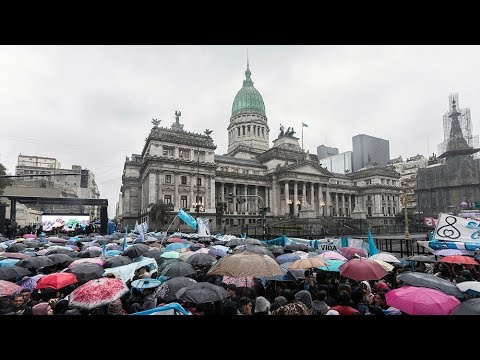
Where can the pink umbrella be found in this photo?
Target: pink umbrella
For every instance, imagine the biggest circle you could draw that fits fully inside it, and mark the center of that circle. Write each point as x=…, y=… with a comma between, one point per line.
x=86, y=260
x=29, y=236
x=362, y=269
x=459, y=259
x=8, y=288
x=332, y=255
x=350, y=252
x=240, y=281
x=97, y=292
x=421, y=301
x=448, y=252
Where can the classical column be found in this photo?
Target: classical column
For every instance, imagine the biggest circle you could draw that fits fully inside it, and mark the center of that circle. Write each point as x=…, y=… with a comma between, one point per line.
x=175, y=200
x=245, y=208
x=321, y=209
x=348, y=208
x=312, y=200
x=234, y=189
x=327, y=200
x=222, y=191
x=287, y=197
x=213, y=205
x=342, y=195
x=295, y=198
x=256, y=199
x=192, y=199
x=304, y=194
x=274, y=207
x=336, y=203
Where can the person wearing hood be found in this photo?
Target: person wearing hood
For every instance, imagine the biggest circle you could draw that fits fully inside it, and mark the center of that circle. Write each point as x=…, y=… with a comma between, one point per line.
x=368, y=296
x=319, y=305
x=305, y=297
x=262, y=306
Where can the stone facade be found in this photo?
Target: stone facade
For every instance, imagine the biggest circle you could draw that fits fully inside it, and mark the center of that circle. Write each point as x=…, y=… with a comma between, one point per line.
x=180, y=168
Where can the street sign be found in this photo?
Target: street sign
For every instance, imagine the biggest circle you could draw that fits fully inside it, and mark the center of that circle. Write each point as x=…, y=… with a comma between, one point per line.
x=477, y=204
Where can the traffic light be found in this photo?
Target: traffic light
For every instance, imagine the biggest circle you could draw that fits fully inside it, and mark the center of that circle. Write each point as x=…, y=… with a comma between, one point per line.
x=230, y=197
x=262, y=211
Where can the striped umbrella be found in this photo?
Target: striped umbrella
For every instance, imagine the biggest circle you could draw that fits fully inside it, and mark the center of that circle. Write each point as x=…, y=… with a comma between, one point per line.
x=8, y=288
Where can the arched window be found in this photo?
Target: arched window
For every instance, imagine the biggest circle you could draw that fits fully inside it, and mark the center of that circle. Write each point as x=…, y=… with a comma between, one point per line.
x=243, y=129
x=238, y=131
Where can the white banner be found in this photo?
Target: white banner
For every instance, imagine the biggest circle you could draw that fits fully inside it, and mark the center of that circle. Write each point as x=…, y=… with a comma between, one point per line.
x=454, y=228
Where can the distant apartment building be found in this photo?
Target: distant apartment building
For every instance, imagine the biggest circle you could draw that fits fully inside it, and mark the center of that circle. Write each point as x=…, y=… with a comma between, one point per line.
x=326, y=151
x=36, y=165
x=340, y=164
x=369, y=150
x=408, y=177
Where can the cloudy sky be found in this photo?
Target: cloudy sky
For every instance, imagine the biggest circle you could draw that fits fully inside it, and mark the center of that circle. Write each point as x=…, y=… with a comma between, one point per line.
x=92, y=105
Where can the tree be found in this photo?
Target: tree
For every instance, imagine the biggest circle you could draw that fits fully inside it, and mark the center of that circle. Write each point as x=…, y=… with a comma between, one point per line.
x=159, y=213
x=400, y=217
x=3, y=181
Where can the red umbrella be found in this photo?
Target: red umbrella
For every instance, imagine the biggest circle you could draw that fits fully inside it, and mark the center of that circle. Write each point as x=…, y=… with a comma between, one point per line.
x=13, y=255
x=459, y=259
x=175, y=239
x=56, y=280
x=350, y=252
x=97, y=292
x=421, y=301
x=362, y=269
x=8, y=288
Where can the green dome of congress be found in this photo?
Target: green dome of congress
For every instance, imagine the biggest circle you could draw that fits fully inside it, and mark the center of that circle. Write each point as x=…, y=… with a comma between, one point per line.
x=248, y=99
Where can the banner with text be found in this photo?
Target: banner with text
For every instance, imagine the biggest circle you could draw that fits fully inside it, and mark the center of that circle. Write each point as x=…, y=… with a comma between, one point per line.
x=454, y=228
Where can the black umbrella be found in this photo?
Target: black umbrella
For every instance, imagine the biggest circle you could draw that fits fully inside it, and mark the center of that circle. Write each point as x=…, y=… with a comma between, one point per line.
x=32, y=243
x=200, y=259
x=468, y=307
x=100, y=241
x=86, y=271
x=115, y=261
x=12, y=272
x=430, y=281
x=195, y=247
x=163, y=263
x=219, y=242
x=136, y=250
x=251, y=241
x=16, y=247
x=201, y=293
x=89, y=253
x=235, y=242
x=61, y=259
x=35, y=262
x=167, y=291
x=421, y=258
x=180, y=268
x=59, y=250
x=276, y=249
x=154, y=254
x=256, y=249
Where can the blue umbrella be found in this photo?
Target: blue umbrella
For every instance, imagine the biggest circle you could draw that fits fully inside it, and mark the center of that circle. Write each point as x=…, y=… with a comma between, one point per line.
x=8, y=262
x=146, y=283
x=112, y=252
x=290, y=257
x=176, y=246
x=332, y=265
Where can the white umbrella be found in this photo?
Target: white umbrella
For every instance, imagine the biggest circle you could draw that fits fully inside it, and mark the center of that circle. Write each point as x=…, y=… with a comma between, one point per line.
x=469, y=287
x=384, y=256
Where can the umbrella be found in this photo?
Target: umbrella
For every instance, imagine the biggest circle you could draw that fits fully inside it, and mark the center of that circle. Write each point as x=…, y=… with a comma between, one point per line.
x=30, y=282
x=179, y=268
x=362, y=269
x=296, y=247
x=56, y=280
x=162, y=265
x=174, y=240
x=430, y=281
x=185, y=255
x=32, y=243
x=97, y=293
x=332, y=265
x=57, y=250
x=308, y=263
x=8, y=262
x=333, y=255
x=180, y=247
x=246, y=264
x=12, y=272
x=448, y=252
x=235, y=242
x=350, y=252
x=153, y=253
x=221, y=247
x=216, y=253
x=469, y=287
x=14, y=255
x=170, y=255
x=146, y=283
x=85, y=272
x=29, y=236
x=460, y=259
x=77, y=262
x=200, y=259
x=16, y=247
x=250, y=241
x=167, y=290
x=117, y=261
x=89, y=253
x=276, y=249
x=468, y=307
x=290, y=257
x=36, y=262
x=240, y=281
x=254, y=249
x=384, y=264
x=136, y=250
x=297, y=273
x=384, y=256
x=288, y=276
x=8, y=288
x=421, y=301
x=421, y=258
x=201, y=293
x=62, y=259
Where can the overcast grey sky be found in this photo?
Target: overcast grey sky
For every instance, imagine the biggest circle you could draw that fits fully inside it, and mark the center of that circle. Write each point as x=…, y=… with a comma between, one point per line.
x=92, y=105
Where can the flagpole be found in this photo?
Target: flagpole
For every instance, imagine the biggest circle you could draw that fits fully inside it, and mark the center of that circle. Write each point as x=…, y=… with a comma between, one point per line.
x=302, y=135
x=171, y=223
